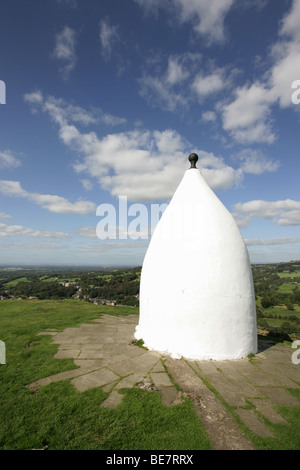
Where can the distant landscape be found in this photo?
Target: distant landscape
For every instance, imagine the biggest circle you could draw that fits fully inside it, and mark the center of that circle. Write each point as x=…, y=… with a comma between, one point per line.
x=276, y=289
x=278, y=298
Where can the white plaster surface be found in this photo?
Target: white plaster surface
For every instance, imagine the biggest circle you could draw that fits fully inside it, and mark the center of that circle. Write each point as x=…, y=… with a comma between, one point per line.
x=196, y=293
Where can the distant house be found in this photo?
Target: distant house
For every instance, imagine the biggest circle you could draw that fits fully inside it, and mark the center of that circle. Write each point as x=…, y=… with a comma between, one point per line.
x=111, y=303
x=69, y=284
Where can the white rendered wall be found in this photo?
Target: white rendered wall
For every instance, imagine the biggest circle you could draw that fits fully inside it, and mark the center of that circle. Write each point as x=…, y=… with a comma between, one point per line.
x=196, y=292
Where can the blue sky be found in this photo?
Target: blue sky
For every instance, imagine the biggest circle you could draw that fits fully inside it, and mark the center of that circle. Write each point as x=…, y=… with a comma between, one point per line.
x=107, y=98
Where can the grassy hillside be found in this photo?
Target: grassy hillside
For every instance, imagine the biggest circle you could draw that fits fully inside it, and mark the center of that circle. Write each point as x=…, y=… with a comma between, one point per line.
x=58, y=416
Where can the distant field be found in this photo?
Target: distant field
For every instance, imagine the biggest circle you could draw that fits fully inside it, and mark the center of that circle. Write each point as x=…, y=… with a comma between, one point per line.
x=276, y=323
x=287, y=287
x=16, y=281
x=107, y=277
x=285, y=274
x=282, y=310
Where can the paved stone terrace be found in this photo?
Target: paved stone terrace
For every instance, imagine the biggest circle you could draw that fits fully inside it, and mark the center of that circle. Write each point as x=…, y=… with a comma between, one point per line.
x=107, y=357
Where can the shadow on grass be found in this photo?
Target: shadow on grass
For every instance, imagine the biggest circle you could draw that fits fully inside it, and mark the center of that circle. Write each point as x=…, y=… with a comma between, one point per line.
x=270, y=339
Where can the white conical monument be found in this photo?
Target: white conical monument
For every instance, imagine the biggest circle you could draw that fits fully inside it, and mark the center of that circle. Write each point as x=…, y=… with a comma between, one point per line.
x=196, y=293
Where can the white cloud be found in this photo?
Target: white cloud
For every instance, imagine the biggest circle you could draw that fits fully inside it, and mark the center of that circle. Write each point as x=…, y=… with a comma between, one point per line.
x=8, y=160
x=291, y=217
x=286, y=54
x=88, y=232
x=12, y=188
x=87, y=184
x=169, y=87
x=150, y=5
x=176, y=73
x=285, y=71
x=208, y=116
x=109, y=36
x=34, y=98
x=206, y=85
x=65, y=42
x=258, y=4
x=117, y=246
x=247, y=117
x=115, y=232
x=272, y=241
x=250, y=106
x=285, y=212
x=216, y=172
x=61, y=205
x=35, y=246
x=140, y=164
x=50, y=202
x=255, y=162
x=291, y=21
x=149, y=165
x=207, y=16
x=62, y=112
x=241, y=220
x=19, y=230
x=158, y=92
x=3, y=215
x=259, y=133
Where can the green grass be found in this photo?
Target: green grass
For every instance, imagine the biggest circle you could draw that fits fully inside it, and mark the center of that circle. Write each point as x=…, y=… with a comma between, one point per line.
x=285, y=274
x=16, y=281
x=287, y=435
x=60, y=417
x=274, y=322
x=287, y=288
x=283, y=310
x=106, y=277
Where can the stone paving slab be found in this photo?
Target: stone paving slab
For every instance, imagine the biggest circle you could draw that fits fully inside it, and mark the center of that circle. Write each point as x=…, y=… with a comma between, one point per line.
x=113, y=400
x=254, y=423
x=259, y=378
x=130, y=381
x=87, y=365
x=266, y=408
x=170, y=396
x=96, y=353
x=278, y=375
x=293, y=372
x=231, y=394
x=67, y=353
x=161, y=379
x=280, y=396
x=98, y=378
x=106, y=356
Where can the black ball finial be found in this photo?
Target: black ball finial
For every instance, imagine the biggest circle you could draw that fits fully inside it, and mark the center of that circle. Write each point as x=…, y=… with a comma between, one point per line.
x=193, y=158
